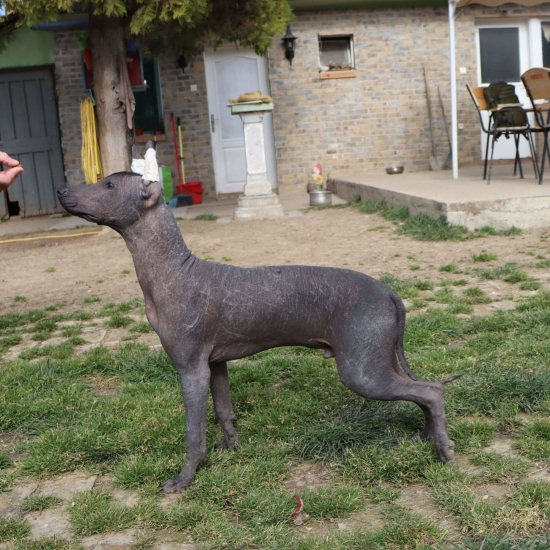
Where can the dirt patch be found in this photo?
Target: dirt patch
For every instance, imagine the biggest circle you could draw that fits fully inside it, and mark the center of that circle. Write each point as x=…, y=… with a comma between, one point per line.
x=11, y=501
x=368, y=519
x=66, y=485
x=10, y=440
x=308, y=476
x=103, y=385
x=125, y=497
x=493, y=493
x=539, y=474
x=53, y=522
x=418, y=501
x=97, y=265
x=502, y=445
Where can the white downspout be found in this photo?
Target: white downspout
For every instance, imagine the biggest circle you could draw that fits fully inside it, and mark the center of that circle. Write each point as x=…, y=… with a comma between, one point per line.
x=454, y=113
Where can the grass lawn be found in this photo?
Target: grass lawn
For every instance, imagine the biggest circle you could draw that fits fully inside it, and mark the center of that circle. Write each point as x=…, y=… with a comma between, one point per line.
x=120, y=414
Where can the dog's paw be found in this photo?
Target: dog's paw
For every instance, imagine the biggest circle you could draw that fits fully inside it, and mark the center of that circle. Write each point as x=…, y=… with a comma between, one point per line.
x=221, y=445
x=446, y=452
x=226, y=444
x=174, y=485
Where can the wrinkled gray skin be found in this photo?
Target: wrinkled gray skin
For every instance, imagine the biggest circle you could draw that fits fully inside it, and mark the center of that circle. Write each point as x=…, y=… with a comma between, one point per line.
x=207, y=313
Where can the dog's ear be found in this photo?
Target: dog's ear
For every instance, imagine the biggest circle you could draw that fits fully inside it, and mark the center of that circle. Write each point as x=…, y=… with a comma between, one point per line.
x=146, y=189
x=150, y=192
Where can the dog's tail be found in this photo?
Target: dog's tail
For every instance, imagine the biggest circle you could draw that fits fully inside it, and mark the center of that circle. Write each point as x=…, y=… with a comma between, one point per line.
x=401, y=317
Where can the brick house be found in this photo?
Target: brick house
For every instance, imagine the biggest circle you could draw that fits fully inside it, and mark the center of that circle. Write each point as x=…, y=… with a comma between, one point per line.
x=371, y=114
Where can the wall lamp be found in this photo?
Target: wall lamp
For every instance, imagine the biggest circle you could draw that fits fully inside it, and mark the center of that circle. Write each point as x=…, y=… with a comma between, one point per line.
x=182, y=63
x=288, y=41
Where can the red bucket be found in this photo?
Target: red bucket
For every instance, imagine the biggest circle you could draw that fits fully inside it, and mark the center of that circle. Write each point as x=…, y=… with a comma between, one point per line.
x=193, y=189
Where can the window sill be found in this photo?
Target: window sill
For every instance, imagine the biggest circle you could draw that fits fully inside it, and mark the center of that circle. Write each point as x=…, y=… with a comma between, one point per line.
x=144, y=138
x=347, y=73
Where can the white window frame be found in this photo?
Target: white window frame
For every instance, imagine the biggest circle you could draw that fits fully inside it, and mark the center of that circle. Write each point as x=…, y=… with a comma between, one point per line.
x=348, y=37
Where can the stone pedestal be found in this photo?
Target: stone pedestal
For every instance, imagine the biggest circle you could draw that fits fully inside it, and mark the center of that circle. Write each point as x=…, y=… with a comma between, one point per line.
x=258, y=200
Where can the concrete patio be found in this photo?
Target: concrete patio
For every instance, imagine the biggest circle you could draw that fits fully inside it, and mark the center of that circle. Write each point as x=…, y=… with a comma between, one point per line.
x=508, y=200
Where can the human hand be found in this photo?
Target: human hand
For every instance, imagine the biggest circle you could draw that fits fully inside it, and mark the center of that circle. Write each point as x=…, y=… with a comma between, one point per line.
x=8, y=177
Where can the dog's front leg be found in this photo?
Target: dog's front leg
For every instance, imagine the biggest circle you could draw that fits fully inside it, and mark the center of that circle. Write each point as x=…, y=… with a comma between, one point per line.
x=194, y=382
x=219, y=386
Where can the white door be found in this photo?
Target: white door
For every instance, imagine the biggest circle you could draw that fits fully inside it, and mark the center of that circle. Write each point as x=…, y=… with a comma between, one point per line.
x=503, y=55
x=230, y=73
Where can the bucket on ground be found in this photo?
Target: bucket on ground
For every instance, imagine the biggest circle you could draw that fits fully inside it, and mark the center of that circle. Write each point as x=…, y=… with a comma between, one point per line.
x=192, y=188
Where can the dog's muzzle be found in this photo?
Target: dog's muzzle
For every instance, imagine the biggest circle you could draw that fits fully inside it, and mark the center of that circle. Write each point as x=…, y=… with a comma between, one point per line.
x=65, y=199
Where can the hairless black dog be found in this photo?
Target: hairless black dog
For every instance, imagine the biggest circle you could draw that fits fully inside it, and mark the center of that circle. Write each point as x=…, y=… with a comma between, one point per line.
x=207, y=313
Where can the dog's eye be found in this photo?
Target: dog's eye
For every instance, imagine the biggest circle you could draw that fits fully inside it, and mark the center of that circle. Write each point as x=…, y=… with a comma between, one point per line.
x=109, y=184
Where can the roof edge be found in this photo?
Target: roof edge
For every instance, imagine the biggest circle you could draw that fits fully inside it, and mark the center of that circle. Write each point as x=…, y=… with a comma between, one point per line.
x=309, y=5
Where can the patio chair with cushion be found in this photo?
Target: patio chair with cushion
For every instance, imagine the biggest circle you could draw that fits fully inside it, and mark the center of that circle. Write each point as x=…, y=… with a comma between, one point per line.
x=537, y=84
x=504, y=120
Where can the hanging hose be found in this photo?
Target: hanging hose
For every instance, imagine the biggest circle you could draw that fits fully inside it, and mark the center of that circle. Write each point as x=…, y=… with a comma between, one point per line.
x=181, y=151
x=91, y=158
x=178, y=152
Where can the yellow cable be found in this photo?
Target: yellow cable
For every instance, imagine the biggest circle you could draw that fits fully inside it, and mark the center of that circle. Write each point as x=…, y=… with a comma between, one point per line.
x=50, y=237
x=181, y=154
x=91, y=158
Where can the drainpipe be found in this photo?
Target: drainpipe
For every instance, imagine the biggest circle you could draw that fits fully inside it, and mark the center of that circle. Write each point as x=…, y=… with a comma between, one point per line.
x=454, y=113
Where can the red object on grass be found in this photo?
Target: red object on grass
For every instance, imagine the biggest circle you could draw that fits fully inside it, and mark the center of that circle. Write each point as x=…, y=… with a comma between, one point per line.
x=192, y=188
x=299, y=506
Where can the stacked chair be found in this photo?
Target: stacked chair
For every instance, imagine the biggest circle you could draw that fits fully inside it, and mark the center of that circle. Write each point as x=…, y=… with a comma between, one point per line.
x=507, y=118
x=537, y=84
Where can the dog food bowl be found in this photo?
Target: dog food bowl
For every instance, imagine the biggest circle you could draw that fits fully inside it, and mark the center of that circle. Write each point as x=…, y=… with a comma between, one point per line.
x=320, y=198
x=395, y=170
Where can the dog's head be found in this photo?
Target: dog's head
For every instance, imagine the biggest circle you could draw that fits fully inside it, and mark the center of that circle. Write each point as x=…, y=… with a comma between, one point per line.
x=117, y=201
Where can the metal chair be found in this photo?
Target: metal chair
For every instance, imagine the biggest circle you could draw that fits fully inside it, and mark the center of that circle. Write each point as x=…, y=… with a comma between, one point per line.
x=537, y=84
x=494, y=131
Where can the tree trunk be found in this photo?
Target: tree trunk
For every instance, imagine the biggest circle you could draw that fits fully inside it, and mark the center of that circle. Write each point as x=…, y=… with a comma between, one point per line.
x=108, y=47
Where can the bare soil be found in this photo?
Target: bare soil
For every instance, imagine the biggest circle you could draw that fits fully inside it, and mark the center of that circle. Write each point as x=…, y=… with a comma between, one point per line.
x=71, y=269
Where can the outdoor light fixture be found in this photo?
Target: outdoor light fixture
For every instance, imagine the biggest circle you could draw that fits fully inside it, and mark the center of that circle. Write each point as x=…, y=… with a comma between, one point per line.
x=182, y=63
x=288, y=41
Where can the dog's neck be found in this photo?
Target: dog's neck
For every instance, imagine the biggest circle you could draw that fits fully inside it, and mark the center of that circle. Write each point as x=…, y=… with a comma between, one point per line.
x=157, y=246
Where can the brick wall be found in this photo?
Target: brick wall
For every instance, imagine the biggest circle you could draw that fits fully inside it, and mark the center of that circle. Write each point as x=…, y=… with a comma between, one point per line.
x=192, y=108
x=70, y=91
x=379, y=118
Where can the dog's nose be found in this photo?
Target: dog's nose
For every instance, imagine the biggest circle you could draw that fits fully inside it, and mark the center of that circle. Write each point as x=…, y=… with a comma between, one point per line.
x=63, y=192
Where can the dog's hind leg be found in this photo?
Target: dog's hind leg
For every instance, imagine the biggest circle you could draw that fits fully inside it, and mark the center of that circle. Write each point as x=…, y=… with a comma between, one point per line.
x=379, y=381
x=427, y=434
x=195, y=378
x=219, y=386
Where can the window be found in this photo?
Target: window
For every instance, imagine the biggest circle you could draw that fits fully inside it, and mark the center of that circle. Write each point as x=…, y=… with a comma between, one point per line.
x=336, y=52
x=499, y=54
x=336, y=56
x=148, y=117
x=545, y=31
